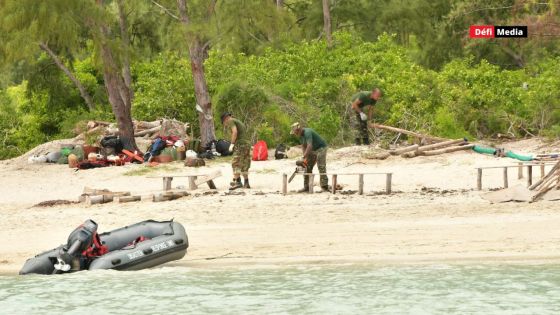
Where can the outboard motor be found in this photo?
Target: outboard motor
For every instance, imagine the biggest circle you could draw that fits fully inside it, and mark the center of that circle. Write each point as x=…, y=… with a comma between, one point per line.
x=69, y=256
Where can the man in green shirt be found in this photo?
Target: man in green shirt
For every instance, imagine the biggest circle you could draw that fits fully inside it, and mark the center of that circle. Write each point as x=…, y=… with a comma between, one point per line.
x=314, y=152
x=360, y=102
x=241, y=148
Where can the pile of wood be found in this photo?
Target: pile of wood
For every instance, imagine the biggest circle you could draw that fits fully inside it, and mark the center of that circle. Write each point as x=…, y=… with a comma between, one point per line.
x=425, y=145
x=549, y=182
x=144, y=129
x=98, y=196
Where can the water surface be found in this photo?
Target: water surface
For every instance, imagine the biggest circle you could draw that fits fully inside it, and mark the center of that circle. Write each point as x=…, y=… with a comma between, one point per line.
x=340, y=289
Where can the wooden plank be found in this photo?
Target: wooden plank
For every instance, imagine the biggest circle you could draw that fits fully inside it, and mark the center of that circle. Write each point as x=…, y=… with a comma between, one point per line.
x=388, y=183
x=311, y=182
x=334, y=183
x=542, y=170
x=505, y=177
x=361, y=184
x=284, y=184
x=519, y=170
x=204, y=178
x=167, y=183
x=440, y=145
x=479, y=180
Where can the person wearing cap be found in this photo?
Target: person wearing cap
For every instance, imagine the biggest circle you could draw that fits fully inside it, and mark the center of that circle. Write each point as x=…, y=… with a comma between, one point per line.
x=241, y=148
x=314, y=152
x=359, y=121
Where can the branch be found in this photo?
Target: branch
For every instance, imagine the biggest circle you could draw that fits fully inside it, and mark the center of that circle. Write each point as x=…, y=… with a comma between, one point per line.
x=166, y=10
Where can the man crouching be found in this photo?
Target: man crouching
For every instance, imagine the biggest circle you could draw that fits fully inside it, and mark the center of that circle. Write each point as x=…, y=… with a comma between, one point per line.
x=314, y=152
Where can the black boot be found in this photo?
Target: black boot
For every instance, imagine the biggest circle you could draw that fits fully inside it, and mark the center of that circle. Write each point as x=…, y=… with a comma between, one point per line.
x=366, y=141
x=236, y=183
x=358, y=141
x=246, y=184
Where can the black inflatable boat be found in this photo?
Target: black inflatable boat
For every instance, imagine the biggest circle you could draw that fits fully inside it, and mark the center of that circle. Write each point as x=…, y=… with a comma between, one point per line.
x=142, y=245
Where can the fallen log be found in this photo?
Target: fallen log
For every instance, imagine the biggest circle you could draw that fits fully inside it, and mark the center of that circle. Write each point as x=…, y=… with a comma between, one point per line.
x=448, y=150
x=407, y=132
x=400, y=151
x=376, y=156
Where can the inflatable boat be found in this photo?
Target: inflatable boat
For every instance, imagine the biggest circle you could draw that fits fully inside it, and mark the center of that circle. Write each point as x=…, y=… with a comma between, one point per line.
x=142, y=245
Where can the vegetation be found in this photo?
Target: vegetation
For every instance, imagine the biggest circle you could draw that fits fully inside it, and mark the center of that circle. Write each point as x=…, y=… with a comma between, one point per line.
x=275, y=62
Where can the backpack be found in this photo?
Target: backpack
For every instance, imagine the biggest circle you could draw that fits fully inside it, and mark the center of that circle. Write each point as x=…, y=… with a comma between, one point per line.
x=260, y=151
x=113, y=142
x=222, y=147
x=280, y=152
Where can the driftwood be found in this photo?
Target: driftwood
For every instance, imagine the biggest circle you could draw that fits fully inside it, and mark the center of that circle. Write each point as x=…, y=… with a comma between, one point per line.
x=92, y=200
x=408, y=133
x=122, y=199
x=150, y=129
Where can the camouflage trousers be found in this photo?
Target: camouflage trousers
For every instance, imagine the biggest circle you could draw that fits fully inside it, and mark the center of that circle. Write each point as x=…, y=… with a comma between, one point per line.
x=318, y=157
x=241, y=161
x=359, y=126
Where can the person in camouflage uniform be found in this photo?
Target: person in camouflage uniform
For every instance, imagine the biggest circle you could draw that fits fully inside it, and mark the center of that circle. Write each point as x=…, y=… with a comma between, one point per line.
x=359, y=119
x=241, y=148
x=314, y=152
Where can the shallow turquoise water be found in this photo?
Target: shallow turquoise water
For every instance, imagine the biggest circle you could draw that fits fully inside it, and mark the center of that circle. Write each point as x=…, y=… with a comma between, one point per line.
x=341, y=289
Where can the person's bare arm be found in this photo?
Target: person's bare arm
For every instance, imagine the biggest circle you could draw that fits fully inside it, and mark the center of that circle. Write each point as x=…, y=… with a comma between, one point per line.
x=306, y=150
x=233, y=134
x=356, y=105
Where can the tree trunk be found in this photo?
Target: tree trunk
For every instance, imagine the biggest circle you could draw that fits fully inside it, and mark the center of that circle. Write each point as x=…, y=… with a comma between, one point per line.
x=327, y=22
x=205, y=119
x=83, y=92
x=119, y=97
x=197, y=54
x=123, y=24
x=280, y=3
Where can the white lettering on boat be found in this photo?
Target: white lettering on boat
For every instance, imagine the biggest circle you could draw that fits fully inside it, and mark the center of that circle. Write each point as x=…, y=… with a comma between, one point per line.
x=135, y=254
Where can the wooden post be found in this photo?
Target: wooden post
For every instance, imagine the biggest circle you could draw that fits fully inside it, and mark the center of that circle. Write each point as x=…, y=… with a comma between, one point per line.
x=388, y=183
x=529, y=175
x=167, y=183
x=192, y=183
x=542, y=170
x=479, y=180
x=505, y=177
x=311, y=182
x=520, y=170
x=334, y=183
x=360, y=184
x=284, y=184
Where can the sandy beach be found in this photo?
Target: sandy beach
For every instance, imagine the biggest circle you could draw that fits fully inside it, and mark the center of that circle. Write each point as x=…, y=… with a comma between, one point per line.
x=435, y=214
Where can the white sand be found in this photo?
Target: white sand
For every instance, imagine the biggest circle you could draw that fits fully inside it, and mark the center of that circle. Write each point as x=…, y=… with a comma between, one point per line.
x=447, y=223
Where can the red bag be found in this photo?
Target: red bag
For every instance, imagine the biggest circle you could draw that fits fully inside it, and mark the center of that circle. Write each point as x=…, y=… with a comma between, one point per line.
x=260, y=151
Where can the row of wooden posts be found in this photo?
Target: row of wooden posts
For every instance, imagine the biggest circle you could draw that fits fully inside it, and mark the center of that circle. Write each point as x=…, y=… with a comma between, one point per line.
x=519, y=167
x=334, y=181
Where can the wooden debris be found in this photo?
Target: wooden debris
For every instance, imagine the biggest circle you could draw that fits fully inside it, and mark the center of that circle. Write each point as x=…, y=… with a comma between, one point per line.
x=169, y=195
x=547, y=183
x=123, y=199
x=400, y=151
